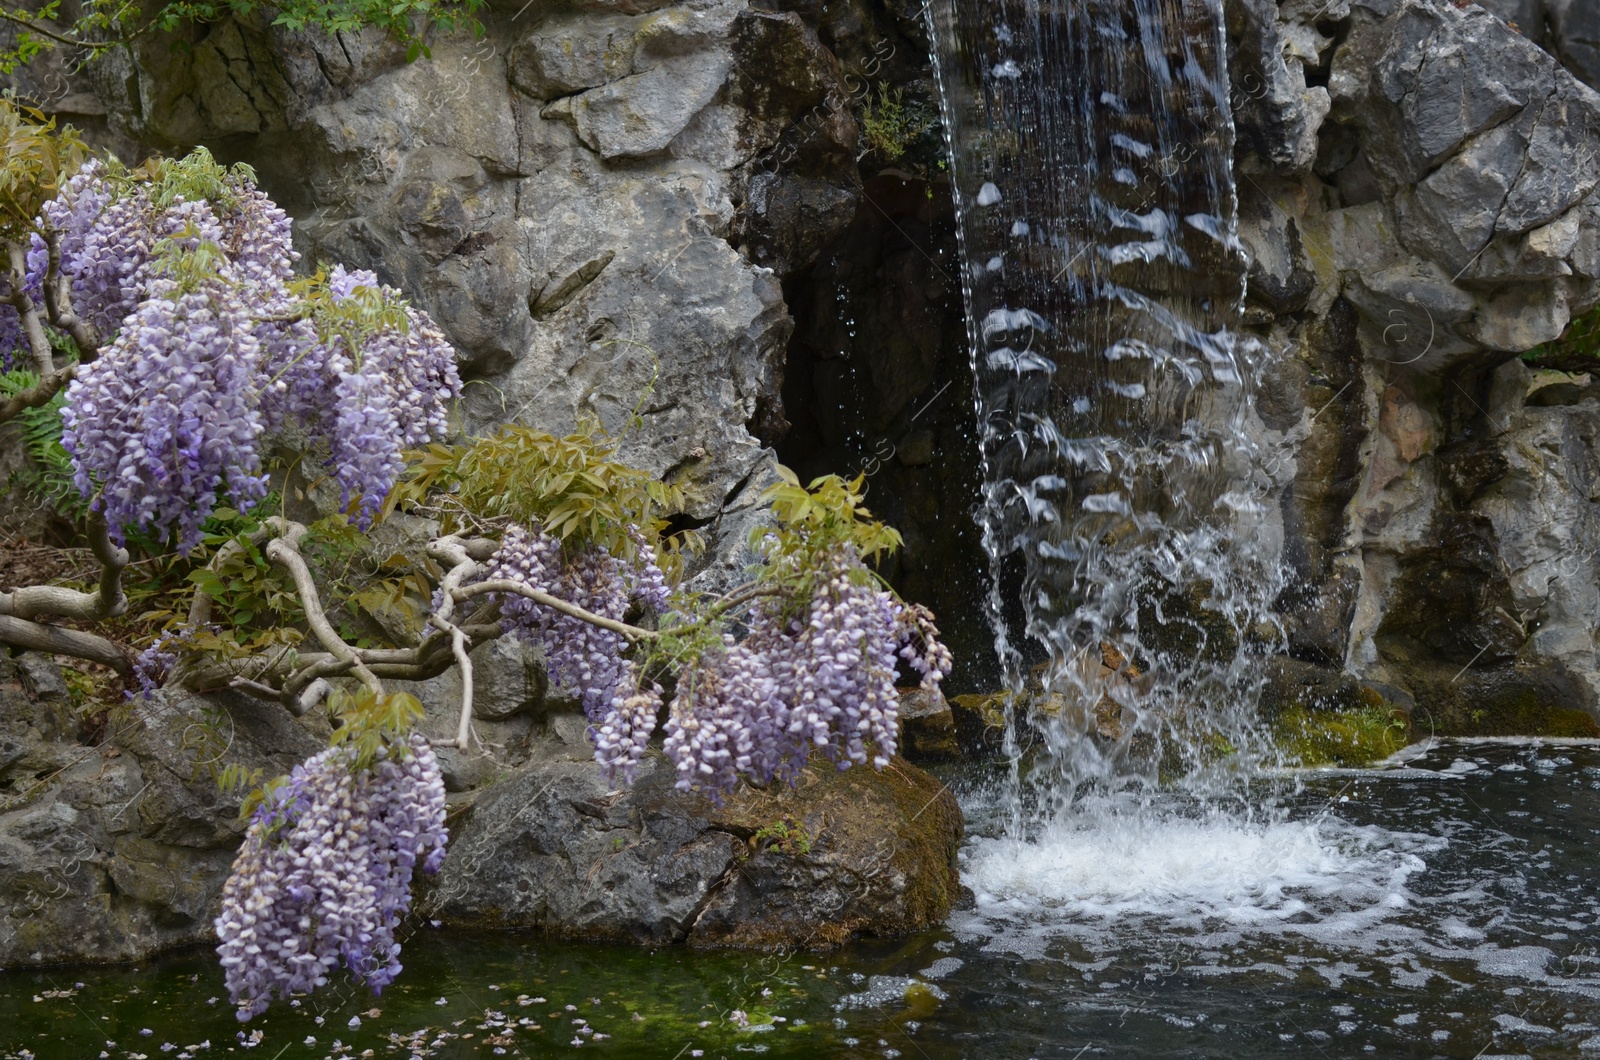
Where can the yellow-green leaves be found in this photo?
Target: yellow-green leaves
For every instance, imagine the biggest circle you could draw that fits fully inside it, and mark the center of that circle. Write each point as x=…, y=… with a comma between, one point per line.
x=827, y=513
x=372, y=722
x=358, y=316
x=35, y=160
x=570, y=486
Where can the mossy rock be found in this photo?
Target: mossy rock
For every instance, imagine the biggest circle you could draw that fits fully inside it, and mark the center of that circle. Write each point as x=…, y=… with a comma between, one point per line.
x=1356, y=737
x=838, y=854
x=1509, y=699
x=842, y=853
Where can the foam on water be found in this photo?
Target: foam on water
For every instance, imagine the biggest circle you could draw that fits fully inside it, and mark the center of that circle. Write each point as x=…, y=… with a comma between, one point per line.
x=1322, y=875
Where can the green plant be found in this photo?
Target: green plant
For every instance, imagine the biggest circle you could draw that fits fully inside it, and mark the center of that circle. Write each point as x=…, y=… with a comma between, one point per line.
x=786, y=835
x=571, y=486
x=888, y=126
x=1578, y=346
x=96, y=26
x=47, y=475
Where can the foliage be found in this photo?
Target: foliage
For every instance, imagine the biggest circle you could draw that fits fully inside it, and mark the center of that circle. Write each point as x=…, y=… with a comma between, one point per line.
x=187, y=270
x=889, y=127
x=787, y=835
x=1578, y=347
x=373, y=723
x=572, y=487
x=208, y=373
x=48, y=472
x=35, y=161
x=815, y=522
x=95, y=26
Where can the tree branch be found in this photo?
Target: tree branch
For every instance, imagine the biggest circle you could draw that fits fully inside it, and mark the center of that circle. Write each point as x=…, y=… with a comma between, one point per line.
x=502, y=585
x=58, y=303
x=454, y=550
x=73, y=42
x=17, y=296
x=58, y=640
x=285, y=552
x=31, y=601
x=39, y=394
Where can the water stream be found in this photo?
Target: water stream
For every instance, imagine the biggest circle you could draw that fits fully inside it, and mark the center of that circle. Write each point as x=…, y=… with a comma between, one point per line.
x=1133, y=560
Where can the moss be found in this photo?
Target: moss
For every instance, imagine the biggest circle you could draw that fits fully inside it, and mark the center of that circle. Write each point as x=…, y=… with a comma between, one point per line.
x=1523, y=713
x=1355, y=737
x=1578, y=348
x=890, y=836
x=1500, y=701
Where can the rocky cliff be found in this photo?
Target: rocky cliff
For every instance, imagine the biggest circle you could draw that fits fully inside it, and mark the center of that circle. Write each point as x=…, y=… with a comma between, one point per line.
x=1417, y=188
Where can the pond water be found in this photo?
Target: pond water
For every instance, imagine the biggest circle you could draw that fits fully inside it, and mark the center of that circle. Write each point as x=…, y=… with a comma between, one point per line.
x=1449, y=907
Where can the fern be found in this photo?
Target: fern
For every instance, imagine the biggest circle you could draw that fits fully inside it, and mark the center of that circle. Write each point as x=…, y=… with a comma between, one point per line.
x=48, y=472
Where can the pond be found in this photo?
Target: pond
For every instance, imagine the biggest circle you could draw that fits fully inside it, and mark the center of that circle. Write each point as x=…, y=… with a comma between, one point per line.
x=1448, y=907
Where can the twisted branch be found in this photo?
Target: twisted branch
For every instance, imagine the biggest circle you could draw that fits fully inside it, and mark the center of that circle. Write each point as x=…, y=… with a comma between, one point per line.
x=107, y=601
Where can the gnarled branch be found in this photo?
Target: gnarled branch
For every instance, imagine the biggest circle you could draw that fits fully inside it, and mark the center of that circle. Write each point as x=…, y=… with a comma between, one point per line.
x=58, y=640
x=39, y=394
x=285, y=552
x=107, y=601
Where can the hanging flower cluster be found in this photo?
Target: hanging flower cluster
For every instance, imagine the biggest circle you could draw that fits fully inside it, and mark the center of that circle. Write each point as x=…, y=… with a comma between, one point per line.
x=211, y=345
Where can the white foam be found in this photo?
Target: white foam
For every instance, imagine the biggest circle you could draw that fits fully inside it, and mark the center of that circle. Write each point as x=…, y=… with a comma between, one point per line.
x=1321, y=876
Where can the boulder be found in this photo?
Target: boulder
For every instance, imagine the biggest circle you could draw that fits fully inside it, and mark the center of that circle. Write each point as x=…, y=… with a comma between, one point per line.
x=927, y=727
x=837, y=855
x=117, y=851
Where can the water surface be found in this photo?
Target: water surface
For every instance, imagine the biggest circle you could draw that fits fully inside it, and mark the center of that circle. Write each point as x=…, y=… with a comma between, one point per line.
x=1448, y=908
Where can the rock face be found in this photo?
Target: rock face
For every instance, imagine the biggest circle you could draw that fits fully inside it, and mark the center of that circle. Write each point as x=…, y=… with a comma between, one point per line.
x=840, y=854
x=592, y=201
x=117, y=851
x=1575, y=37
x=1438, y=511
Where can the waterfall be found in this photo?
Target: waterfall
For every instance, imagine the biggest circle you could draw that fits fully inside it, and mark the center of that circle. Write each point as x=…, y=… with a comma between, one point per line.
x=1124, y=508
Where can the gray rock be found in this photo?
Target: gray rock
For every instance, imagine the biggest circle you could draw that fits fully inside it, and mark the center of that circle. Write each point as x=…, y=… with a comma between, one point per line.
x=1575, y=37
x=552, y=849
x=1526, y=16
x=120, y=850
x=572, y=52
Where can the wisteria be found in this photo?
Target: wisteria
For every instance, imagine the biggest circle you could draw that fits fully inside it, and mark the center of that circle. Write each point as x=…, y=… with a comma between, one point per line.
x=580, y=655
x=163, y=423
x=821, y=681
x=325, y=873
x=622, y=735
x=210, y=346
x=818, y=679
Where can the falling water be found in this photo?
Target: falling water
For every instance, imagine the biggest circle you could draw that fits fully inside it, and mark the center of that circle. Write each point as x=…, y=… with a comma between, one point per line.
x=1134, y=560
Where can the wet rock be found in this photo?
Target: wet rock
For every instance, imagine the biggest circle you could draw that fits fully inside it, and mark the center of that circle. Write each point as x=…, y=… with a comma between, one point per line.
x=980, y=723
x=850, y=875
x=1294, y=684
x=840, y=854
x=927, y=727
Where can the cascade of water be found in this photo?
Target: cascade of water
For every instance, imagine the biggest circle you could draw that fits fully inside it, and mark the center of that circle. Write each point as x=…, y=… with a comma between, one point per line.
x=1091, y=144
